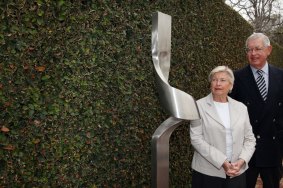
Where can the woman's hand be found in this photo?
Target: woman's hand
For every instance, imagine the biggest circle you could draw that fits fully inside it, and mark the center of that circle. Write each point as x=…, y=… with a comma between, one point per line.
x=227, y=166
x=234, y=168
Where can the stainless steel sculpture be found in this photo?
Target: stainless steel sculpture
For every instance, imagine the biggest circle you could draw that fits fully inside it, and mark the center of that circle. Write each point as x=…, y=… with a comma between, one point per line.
x=180, y=105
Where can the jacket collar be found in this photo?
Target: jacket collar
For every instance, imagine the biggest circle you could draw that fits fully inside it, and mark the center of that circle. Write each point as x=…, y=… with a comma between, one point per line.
x=212, y=112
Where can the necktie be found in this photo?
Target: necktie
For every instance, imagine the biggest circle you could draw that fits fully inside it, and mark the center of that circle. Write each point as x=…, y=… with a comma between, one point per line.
x=261, y=84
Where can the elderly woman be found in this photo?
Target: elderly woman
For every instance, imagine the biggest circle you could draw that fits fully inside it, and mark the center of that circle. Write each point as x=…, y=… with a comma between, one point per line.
x=223, y=139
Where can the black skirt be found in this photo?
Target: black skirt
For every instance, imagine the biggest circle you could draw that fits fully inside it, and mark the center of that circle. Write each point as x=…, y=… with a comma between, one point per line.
x=200, y=180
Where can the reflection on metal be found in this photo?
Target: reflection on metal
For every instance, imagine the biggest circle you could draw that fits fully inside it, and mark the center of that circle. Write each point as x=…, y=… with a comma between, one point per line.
x=180, y=105
x=176, y=102
x=160, y=152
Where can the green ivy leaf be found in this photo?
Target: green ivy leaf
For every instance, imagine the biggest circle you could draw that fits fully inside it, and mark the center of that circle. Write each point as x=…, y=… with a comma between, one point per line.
x=45, y=77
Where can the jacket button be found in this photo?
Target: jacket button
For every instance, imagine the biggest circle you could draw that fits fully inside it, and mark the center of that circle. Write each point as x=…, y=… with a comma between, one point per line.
x=258, y=137
x=280, y=104
x=273, y=137
x=256, y=121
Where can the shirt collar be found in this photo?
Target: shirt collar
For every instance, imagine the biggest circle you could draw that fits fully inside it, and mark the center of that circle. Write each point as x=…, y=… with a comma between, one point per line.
x=264, y=69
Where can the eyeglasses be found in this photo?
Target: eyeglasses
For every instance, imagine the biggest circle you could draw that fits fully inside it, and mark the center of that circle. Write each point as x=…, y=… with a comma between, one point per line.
x=256, y=49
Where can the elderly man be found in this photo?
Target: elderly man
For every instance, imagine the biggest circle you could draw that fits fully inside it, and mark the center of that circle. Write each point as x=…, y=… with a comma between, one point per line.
x=259, y=86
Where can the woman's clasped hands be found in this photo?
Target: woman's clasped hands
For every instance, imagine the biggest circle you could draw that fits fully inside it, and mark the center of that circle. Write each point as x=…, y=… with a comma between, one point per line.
x=233, y=169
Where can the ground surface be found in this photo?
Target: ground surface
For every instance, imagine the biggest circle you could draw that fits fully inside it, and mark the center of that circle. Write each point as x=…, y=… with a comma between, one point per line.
x=259, y=183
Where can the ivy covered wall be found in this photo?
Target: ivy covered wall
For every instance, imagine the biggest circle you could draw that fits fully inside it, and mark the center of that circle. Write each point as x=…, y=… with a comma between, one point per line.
x=77, y=94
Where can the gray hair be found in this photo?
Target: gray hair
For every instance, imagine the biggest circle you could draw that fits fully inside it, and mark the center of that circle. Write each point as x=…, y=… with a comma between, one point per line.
x=263, y=37
x=222, y=69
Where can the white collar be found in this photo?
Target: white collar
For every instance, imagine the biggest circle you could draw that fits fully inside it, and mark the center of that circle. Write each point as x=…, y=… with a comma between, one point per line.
x=264, y=69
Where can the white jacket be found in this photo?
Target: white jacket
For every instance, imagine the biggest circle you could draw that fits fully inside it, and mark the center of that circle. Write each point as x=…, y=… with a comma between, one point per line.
x=208, y=137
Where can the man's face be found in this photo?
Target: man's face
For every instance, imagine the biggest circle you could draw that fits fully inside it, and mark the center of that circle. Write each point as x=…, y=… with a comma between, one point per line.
x=257, y=53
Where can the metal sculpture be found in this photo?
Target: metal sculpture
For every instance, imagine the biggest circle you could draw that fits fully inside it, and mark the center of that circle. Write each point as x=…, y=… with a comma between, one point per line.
x=180, y=105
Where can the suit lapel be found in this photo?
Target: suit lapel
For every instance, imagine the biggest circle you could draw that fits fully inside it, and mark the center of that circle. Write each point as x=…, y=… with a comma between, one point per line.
x=271, y=90
x=234, y=113
x=211, y=110
x=249, y=81
x=271, y=83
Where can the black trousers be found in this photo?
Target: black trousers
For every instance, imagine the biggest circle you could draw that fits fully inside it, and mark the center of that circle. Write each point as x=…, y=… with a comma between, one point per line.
x=270, y=176
x=200, y=180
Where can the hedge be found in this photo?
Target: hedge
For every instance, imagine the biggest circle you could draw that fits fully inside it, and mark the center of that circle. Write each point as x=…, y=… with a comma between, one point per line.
x=77, y=93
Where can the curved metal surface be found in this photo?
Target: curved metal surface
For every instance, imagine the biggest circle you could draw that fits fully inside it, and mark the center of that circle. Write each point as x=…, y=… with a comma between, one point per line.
x=160, y=152
x=176, y=102
x=180, y=105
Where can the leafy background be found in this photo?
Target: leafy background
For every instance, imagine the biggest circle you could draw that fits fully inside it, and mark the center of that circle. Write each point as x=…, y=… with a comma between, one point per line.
x=77, y=94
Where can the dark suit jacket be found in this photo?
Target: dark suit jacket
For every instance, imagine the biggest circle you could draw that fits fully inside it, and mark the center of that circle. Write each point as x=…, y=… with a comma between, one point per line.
x=266, y=117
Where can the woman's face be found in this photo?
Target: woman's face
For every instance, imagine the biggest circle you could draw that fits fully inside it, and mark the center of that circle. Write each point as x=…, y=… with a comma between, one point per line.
x=220, y=84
